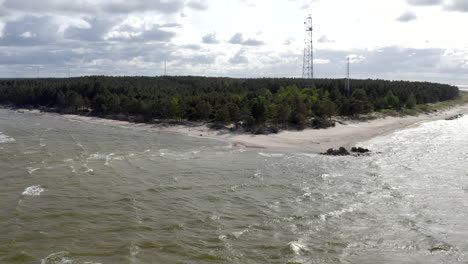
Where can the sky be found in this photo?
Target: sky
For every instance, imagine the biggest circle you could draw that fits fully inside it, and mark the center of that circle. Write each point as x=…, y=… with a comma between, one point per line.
x=418, y=40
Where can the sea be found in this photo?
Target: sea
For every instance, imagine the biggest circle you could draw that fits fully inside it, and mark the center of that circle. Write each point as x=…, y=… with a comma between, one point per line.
x=73, y=192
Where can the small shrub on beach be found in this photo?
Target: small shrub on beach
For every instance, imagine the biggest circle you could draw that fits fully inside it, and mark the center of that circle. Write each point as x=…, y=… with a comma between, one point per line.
x=425, y=108
x=411, y=112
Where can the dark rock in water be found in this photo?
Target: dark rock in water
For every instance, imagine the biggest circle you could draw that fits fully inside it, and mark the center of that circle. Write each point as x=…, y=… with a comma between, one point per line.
x=360, y=150
x=337, y=152
x=454, y=117
x=344, y=152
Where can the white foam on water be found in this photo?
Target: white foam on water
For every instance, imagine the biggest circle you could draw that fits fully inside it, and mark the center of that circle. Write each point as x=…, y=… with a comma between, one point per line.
x=57, y=258
x=239, y=233
x=62, y=257
x=31, y=169
x=174, y=155
x=106, y=157
x=6, y=139
x=340, y=212
x=297, y=247
x=270, y=155
x=33, y=191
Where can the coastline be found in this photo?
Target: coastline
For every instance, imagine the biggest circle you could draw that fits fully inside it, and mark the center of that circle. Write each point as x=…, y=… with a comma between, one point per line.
x=346, y=135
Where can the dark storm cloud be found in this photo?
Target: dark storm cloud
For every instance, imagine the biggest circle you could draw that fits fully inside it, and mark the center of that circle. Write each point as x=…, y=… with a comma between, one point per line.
x=197, y=60
x=425, y=2
x=198, y=4
x=192, y=47
x=238, y=38
x=95, y=32
x=239, y=58
x=99, y=28
x=3, y=12
x=151, y=35
x=450, y=5
x=325, y=39
x=458, y=5
x=407, y=17
x=98, y=6
x=210, y=39
x=253, y=42
x=30, y=30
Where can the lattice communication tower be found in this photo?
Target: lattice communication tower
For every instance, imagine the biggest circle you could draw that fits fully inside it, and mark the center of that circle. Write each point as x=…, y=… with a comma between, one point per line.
x=308, y=69
x=348, y=86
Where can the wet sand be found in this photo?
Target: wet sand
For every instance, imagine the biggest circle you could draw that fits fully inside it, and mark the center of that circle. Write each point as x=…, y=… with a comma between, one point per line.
x=349, y=134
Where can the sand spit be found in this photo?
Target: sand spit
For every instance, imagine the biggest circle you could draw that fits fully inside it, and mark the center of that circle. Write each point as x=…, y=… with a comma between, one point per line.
x=347, y=134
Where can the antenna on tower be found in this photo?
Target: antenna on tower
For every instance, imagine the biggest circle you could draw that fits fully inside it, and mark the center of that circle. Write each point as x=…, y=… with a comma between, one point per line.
x=308, y=68
x=348, y=88
x=165, y=68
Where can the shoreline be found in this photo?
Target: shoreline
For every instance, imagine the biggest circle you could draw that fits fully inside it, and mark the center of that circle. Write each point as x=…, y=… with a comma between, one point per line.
x=346, y=135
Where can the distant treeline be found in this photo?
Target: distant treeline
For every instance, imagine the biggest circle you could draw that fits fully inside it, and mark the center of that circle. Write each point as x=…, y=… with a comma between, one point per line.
x=252, y=102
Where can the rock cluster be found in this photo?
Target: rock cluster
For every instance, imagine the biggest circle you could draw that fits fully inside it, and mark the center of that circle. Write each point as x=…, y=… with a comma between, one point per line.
x=360, y=150
x=454, y=117
x=344, y=152
x=337, y=152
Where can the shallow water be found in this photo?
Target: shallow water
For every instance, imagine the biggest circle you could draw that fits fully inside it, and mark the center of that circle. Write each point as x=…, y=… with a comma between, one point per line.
x=74, y=192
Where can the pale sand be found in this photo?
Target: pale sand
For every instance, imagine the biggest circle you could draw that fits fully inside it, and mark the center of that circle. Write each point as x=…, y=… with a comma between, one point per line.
x=309, y=140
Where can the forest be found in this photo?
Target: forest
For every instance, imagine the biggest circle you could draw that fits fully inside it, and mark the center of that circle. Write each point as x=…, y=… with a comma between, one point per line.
x=251, y=103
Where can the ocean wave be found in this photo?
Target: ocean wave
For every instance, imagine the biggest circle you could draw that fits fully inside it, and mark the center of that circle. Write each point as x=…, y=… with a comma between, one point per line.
x=33, y=190
x=340, y=212
x=173, y=155
x=6, y=139
x=270, y=155
x=31, y=169
x=297, y=247
x=62, y=257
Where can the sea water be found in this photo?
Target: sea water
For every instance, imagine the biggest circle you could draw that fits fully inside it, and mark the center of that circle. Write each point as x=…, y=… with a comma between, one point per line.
x=74, y=192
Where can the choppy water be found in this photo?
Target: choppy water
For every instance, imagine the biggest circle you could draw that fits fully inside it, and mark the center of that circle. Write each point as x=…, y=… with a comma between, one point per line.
x=73, y=192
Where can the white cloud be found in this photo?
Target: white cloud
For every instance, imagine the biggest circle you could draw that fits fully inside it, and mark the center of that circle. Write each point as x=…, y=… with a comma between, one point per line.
x=321, y=61
x=253, y=38
x=28, y=34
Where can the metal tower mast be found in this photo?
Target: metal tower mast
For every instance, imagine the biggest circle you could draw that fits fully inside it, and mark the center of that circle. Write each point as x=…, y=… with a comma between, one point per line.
x=348, y=87
x=308, y=69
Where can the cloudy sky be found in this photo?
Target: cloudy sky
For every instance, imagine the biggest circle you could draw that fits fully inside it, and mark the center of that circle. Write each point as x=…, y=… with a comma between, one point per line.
x=388, y=39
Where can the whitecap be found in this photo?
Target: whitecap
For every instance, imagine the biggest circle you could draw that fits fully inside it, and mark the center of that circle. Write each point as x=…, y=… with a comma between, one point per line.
x=340, y=212
x=62, y=257
x=270, y=155
x=33, y=190
x=239, y=233
x=57, y=258
x=31, y=169
x=297, y=247
x=6, y=139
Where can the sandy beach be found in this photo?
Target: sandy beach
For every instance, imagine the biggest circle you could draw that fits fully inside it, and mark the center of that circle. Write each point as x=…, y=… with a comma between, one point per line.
x=347, y=135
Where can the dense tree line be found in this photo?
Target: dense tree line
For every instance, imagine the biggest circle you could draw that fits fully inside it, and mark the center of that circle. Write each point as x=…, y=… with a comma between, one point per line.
x=252, y=102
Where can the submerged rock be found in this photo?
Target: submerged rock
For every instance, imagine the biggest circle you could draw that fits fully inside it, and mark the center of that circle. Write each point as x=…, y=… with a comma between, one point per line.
x=344, y=152
x=337, y=152
x=360, y=150
x=454, y=117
